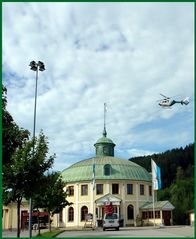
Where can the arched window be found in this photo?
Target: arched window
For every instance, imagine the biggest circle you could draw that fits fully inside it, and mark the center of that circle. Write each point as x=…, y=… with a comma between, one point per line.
x=107, y=169
x=70, y=214
x=130, y=212
x=84, y=211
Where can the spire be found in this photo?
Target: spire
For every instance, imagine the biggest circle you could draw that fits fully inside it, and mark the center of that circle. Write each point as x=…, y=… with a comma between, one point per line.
x=104, y=146
x=104, y=132
x=104, y=127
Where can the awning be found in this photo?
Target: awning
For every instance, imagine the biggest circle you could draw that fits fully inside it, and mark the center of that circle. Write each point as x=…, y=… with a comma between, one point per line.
x=108, y=198
x=159, y=205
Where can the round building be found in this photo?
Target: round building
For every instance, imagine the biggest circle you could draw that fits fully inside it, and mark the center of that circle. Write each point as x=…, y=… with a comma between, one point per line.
x=94, y=182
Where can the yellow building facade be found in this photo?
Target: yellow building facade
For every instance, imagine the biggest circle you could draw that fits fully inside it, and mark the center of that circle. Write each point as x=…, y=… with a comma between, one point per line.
x=126, y=203
x=9, y=219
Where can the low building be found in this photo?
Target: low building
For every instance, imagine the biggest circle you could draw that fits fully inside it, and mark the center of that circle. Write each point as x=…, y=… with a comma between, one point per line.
x=160, y=213
x=9, y=219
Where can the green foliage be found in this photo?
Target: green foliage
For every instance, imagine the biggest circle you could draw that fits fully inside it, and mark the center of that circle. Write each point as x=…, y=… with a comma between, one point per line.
x=177, y=173
x=169, y=161
x=25, y=171
x=182, y=196
x=24, y=161
x=164, y=194
x=53, y=233
x=13, y=137
x=180, y=173
x=23, y=175
x=51, y=195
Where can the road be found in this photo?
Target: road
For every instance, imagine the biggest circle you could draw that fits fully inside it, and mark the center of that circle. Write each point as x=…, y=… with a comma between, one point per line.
x=173, y=231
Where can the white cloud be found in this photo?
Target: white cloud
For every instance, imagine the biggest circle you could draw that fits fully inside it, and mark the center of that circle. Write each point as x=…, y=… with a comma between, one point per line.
x=124, y=54
x=138, y=152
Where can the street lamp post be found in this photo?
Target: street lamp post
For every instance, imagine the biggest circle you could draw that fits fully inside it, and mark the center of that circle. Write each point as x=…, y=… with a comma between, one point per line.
x=39, y=66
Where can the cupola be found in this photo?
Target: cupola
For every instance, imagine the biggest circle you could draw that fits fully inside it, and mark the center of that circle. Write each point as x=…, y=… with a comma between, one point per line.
x=104, y=146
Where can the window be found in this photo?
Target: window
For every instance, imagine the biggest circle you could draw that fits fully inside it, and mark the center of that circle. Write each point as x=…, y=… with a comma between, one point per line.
x=84, y=189
x=115, y=188
x=107, y=169
x=150, y=214
x=141, y=189
x=157, y=214
x=105, y=150
x=150, y=190
x=71, y=190
x=130, y=212
x=99, y=189
x=129, y=188
x=84, y=211
x=70, y=214
x=144, y=215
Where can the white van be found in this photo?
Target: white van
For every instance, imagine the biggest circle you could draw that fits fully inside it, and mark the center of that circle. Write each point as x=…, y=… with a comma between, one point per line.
x=111, y=221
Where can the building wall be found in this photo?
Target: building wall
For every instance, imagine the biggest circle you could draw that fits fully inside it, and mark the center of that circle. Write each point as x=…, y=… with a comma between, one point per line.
x=192, y=218
x=150, y=222
x=135, y=199
x=9, y=220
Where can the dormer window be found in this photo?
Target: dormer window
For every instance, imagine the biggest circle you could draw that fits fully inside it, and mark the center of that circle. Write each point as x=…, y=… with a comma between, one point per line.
x=107, y=169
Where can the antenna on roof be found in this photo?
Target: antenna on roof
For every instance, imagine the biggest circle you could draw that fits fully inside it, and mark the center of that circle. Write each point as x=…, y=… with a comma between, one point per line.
x=104, y=129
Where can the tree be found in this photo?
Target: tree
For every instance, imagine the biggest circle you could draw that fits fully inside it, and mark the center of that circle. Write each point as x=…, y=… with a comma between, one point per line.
x=52, y=196
x=164, y=194
x=178, y=188
x=169, y=161
x=182, y=196
x=26, y=171
x=12, y=136
x=179, y=173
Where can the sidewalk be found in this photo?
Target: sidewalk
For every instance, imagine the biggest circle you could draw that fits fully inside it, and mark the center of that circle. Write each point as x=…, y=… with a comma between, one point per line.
x=23, y=233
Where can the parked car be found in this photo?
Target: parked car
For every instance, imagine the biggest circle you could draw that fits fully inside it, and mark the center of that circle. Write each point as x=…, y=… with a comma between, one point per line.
x=111, y=221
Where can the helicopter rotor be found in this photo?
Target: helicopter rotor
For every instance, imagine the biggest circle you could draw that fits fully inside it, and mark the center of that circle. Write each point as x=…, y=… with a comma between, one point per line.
x=166, y=97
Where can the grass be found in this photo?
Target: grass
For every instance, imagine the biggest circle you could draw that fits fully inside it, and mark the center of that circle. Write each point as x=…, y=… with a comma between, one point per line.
x=49, y=234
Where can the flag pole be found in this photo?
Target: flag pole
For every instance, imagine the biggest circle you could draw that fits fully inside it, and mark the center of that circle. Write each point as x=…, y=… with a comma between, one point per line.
x=153, y=193
x=104, y=114
x=93, y=187
x=156, y=183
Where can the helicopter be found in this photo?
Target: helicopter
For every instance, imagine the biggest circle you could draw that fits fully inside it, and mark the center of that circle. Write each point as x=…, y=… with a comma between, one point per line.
x=167, y=102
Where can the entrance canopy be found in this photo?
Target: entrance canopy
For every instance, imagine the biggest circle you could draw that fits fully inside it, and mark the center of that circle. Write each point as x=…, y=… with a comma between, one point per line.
x=108, y=198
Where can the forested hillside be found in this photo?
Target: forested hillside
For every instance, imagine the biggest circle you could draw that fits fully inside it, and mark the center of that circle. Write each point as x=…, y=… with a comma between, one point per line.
x=177, y=175
x=174, y=163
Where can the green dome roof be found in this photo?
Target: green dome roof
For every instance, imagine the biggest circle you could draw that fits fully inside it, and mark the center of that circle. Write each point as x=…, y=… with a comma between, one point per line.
x=120, y=169
x=104, y=140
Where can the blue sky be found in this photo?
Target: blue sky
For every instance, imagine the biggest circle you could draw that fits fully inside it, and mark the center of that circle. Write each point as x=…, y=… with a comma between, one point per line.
x=124, y=54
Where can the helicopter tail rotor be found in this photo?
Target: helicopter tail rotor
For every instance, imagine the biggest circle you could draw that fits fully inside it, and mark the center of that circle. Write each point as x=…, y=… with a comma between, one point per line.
x=185, y=101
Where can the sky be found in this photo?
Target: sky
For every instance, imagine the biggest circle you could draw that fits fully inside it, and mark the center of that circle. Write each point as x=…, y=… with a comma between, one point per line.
x=124, y=54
